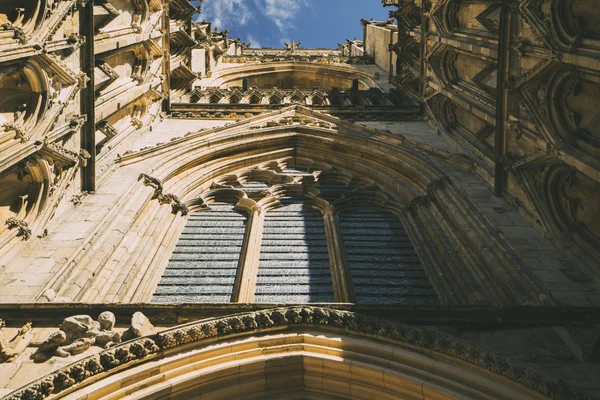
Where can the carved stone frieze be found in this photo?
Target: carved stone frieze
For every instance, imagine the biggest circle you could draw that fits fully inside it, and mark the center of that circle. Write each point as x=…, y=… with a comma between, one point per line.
x=80, y=332
x=300, y=316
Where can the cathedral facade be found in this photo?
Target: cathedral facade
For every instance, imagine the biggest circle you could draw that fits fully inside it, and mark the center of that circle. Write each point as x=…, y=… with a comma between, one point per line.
x=413, y=214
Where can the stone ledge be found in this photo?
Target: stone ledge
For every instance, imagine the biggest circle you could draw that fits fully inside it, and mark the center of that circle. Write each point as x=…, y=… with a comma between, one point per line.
x=51, y=314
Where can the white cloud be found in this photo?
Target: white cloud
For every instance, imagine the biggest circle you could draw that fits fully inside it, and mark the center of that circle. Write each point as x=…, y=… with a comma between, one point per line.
x=255, y=44
x=226, y=13
x=281, y=12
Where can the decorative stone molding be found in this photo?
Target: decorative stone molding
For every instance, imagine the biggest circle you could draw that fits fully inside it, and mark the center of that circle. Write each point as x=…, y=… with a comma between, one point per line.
x=80, y=332
x=20, y=132
x=22, y=227
x=164, y=198
x=107, y=129
x=78, y=372
x=77, y=199
x=10, y=349
x=83, y=156
x=280, y=319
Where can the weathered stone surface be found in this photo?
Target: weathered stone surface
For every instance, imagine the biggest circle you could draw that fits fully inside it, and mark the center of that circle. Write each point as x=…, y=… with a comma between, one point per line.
x=107, y=338
x=107, y=321
x=77, y=347
x=77, y=326
x=53, y=341
x=291, y=319
x=140, y=326
x=7, y=352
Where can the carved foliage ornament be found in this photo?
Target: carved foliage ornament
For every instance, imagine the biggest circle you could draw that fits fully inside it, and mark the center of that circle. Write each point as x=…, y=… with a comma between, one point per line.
x=22, y=227
x=283, y=318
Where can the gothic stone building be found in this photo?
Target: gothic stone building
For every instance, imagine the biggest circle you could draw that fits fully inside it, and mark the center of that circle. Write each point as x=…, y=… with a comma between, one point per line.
x=411, y=215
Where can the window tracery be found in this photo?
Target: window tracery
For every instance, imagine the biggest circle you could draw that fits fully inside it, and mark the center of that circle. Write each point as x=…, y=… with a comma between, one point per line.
x=306, y=234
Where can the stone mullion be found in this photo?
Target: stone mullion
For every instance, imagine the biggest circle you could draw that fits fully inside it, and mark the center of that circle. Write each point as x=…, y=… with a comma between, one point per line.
x=245, y=281
x=342, y=283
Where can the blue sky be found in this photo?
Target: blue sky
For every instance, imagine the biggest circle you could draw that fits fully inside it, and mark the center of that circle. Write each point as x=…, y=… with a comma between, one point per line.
x=315, y=23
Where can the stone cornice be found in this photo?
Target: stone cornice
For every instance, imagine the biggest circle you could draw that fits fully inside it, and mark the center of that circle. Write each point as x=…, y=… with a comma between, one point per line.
x=172, y=314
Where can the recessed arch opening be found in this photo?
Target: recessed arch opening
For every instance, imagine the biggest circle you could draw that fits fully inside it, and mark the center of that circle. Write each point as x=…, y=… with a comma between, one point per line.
x=312, y=361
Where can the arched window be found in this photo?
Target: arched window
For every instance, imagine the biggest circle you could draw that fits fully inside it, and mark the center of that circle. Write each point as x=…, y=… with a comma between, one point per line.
x=204, y=264
x=382, y=262
x=304, y=237
x=294, y=261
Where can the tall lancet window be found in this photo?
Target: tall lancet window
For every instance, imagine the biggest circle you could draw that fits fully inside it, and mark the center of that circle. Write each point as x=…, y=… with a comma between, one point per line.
x=382, y=262
x=205, y=261
x=294, y=262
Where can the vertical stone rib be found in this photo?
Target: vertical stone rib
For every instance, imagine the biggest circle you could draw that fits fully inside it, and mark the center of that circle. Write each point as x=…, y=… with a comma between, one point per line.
x=88, y=98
